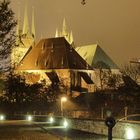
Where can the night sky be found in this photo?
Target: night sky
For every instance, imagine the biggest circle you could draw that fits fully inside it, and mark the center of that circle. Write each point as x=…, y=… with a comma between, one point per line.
x=113, y=24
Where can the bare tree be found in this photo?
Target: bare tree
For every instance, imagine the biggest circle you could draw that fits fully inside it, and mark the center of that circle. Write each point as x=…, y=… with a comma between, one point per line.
x=114, y=80
x=103, y=71
x=131, y=70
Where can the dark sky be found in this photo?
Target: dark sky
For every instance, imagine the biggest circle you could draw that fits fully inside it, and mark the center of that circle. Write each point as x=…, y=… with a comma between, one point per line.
x=113, y=24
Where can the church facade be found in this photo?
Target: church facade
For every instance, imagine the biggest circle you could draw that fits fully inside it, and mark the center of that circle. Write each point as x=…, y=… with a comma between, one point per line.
x=57, y=59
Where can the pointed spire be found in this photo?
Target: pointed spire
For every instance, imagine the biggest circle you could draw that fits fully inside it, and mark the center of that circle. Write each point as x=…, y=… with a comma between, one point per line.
x=64, y=28
x=71, y=37
x=33, y=23
x=25, y=22
x=64, y=33
x=68, y=37
x=56, y=33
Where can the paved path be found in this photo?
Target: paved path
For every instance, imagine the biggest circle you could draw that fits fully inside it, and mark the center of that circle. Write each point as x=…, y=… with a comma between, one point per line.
x=25, y=130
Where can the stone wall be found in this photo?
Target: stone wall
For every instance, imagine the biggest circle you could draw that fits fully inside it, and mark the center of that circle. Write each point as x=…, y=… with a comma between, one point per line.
x=123, y=130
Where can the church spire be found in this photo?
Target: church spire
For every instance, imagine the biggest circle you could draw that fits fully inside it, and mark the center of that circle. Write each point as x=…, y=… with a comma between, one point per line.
x=56, y=33
x=64, y=33
x=25, y=22
x=71, y=37
x=33, y=23
x=64, y=28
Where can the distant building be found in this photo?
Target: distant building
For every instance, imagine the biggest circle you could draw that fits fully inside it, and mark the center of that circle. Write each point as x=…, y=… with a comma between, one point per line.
x=25, y=38
x=96, y=57
x=55, y=60
x=65, y=33
x=58, y=59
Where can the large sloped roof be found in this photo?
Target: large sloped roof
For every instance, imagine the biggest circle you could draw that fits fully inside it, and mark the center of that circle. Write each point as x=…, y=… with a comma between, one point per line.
x=53, y=53
x=95, y=56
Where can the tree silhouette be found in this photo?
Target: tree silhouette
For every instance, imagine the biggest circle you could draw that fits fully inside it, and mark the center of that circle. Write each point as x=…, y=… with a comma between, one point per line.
x=15, y=88
x=104, y=71
x=7, y=37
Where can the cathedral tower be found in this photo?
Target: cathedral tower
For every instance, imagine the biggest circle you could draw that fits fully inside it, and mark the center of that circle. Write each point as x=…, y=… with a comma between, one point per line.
x=25, y=38
x=65, y=33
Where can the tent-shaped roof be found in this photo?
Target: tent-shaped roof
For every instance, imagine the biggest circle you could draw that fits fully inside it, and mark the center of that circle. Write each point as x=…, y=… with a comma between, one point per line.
x=96, y=57
x=53, y=53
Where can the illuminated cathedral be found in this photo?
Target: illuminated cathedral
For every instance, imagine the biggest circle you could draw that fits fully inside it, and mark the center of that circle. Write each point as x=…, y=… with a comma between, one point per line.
x=25, y=38
x=57, y=59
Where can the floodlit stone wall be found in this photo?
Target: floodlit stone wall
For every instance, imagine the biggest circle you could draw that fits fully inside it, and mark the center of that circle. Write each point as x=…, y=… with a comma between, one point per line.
x=124, y=130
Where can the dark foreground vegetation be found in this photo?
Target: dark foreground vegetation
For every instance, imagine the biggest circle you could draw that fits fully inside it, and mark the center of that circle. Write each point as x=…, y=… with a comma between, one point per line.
x=19, y=97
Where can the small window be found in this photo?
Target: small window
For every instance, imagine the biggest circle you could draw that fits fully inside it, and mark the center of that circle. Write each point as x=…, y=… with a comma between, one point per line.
x=62, y=62
x=52, y=48
x=46, y=63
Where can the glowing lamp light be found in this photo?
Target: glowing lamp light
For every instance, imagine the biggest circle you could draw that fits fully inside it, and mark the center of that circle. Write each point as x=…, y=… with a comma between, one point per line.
x=63, y=99
x=2, y=117
x=129, y=134
x=51, y=119
x=29, y=118
x=65, y=123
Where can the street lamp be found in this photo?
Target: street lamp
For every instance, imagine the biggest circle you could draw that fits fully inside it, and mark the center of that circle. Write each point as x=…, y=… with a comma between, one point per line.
x=29, y=118
x=63, y=99
x=2, y=117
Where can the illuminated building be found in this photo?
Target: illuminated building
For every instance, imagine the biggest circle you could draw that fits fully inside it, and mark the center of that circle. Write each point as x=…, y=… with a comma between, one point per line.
x=65, y=33
x=54, y=60
x=57, y=59
x=24, y=38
